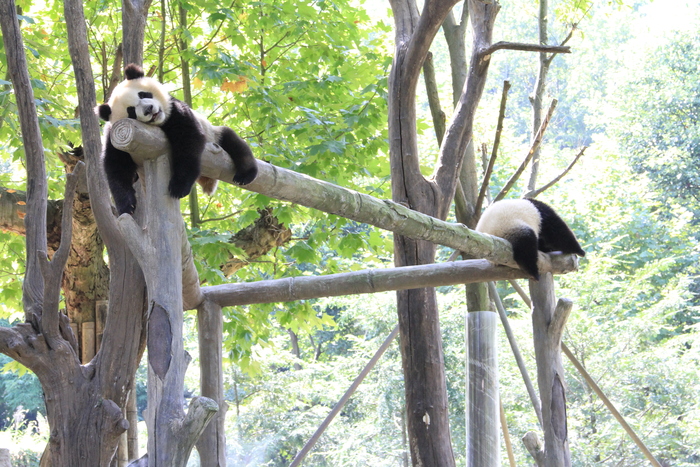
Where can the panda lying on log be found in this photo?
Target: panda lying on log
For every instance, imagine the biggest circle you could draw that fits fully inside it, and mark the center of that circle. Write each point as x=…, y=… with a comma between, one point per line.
x=530, y=226
x=145, y=99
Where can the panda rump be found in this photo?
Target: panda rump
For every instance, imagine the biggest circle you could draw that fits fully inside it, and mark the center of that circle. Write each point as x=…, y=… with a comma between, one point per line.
x=147, y=100
x=530, y=226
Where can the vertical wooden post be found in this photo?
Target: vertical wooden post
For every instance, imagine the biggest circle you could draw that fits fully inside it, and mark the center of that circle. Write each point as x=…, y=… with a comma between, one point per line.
x=210, y=323
x=132, y=418
x=87, y=345
x=171, y=433
x=122, y=458
x=482, y=387
x=5, y=457
x=548, y=321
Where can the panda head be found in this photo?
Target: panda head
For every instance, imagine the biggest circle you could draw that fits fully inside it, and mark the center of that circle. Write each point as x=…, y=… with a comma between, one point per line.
x=138, y=97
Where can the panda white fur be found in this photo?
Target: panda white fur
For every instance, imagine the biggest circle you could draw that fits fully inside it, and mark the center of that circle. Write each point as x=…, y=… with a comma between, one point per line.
x=145, y=99
x=529, y=225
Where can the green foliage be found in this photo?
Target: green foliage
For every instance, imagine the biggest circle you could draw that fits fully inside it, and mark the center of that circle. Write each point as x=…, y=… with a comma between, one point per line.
x=20, y=394
x=305, y=83
x=660, y=122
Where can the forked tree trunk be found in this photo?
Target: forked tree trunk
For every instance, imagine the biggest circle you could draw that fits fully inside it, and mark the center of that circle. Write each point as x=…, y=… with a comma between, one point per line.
x=421, y=342
x=171, y=433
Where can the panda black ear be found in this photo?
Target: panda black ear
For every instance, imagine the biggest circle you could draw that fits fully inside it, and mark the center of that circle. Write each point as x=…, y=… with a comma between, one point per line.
x=104, y=111
x=133, y=71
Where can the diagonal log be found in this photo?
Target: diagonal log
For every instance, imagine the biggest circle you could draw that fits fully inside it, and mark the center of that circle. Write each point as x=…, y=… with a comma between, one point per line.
x=145, y=141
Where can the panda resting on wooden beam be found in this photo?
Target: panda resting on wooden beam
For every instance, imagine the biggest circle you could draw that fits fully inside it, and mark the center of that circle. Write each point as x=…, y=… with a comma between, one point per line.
x=146, y=100
x=530, y=226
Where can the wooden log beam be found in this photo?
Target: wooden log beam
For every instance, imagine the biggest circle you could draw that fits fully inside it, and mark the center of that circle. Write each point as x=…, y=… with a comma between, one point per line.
x=371, y=281
x=146, y=141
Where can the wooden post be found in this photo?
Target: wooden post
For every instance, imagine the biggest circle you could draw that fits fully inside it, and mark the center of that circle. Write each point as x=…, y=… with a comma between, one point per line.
x=210, y=326
x=5, y=457
x=548, y=321
x=122, y=458
x=87, y=344
x=482, y=387
x=171, y=433
x=133, y=419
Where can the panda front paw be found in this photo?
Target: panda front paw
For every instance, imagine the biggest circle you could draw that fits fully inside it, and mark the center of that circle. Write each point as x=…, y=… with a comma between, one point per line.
x=126, y=206
x=244, y=177
x=179, y=189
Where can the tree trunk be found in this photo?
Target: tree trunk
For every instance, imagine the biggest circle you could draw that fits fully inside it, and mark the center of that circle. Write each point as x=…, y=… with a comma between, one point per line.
x=548, y=321
x=134, y=26
x=171, y=433
x=538, y=91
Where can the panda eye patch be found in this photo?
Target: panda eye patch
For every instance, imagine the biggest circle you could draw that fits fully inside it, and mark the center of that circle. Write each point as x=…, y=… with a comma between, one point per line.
x=145, y=95
x=131, y=112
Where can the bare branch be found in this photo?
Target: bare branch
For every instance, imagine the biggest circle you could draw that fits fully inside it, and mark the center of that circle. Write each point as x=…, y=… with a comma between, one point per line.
x=494, y=152
x=37, y=189
x=535, y=193
x=566, y=39
x=52, y=271
x=460, y=133
x=535, y=144
x=620, y=419
x=502, y=45
x=433, y=98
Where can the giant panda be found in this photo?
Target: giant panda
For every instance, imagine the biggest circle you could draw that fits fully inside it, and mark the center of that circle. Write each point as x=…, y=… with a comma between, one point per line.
x=529, y=225
x=145, y=99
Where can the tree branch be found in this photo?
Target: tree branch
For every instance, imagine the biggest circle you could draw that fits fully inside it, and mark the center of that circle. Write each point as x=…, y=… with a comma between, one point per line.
x=37, y=189
x=566, y=39
x=502, y=45
x=459, y=134
x=434, y=98
x=52, y=271
x=494, y=152
x=535, y=193
x=535, y=144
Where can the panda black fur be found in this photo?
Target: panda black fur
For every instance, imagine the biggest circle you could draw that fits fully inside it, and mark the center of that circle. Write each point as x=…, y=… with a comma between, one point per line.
x=145, y=99
x=529, y=225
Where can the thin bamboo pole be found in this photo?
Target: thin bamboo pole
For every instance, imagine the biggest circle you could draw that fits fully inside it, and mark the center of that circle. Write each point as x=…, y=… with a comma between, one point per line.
x=599, y=392
x=506, y=435
x=640, y=444
x=343, y=400
x=516, y=352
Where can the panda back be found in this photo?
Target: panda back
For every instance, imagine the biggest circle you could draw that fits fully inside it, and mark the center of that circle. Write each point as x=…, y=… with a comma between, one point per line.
x=509, y=216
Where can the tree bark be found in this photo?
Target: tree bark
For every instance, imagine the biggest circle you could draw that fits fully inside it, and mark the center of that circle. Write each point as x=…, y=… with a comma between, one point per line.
x=210, y=326
x=426, y=398
x=134, y=14
x=373, y=281
x=171, y=433
x=548, y=321
x=482, y=358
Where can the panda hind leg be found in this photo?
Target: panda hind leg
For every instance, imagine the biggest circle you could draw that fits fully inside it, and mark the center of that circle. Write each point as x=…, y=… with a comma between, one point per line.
x=525, y=253
x=239, y=151
x=120, y=170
